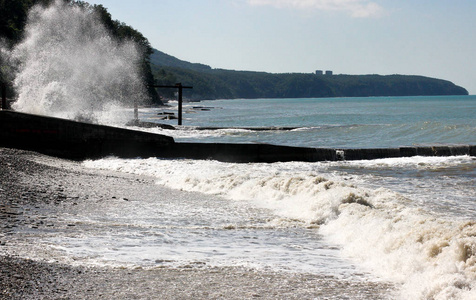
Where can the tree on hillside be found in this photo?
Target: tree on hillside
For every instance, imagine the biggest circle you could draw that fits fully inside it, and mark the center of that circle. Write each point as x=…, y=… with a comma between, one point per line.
x=14, y=17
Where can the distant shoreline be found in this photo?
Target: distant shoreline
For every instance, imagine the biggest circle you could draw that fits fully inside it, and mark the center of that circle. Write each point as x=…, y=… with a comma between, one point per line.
x=212, y=84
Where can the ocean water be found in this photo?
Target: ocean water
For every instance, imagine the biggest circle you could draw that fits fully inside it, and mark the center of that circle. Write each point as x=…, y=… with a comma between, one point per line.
x=410, y=222
x=335, y=122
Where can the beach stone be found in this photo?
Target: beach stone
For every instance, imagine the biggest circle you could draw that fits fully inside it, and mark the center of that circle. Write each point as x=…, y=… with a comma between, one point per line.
x=21, y=278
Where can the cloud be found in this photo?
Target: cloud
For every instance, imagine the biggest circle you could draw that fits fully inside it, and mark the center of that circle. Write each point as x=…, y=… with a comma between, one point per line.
x=356, y=8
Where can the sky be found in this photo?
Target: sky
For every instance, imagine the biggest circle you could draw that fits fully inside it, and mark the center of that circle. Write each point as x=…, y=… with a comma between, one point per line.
x=434, y=38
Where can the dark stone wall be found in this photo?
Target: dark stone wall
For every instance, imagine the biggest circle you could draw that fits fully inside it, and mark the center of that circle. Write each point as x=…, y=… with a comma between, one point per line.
x=245, y=153
x=75, y=140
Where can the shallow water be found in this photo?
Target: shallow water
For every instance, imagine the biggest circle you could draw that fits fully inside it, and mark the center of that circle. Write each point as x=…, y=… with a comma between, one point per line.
x=383, y=223
x=407, y=220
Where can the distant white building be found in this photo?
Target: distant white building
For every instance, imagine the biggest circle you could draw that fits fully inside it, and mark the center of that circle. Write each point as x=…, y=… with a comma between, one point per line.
x=329, y=73
x=319, y=72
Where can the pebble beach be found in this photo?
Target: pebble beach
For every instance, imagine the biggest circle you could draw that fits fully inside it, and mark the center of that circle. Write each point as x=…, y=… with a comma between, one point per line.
x=36, y=190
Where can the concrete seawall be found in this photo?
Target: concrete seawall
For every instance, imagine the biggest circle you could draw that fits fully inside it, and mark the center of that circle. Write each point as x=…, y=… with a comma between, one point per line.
x=446, y=150
x=273, y=153
x=244, y=153
x=76, y=140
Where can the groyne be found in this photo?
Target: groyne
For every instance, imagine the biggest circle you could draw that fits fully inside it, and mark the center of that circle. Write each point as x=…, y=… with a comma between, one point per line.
x=274, y=153
x=78, y=140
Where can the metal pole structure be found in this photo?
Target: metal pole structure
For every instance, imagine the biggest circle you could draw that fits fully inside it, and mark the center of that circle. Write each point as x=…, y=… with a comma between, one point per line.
x=136, y=112
x=179, y=85
x=180, y=88
x=4, y=96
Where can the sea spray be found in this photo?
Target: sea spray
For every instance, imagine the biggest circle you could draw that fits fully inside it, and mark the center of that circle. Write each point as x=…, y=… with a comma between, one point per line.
x=430, y=257
x=69, y=66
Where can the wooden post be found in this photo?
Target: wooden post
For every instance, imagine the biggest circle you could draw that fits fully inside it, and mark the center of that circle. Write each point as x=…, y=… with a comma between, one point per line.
x=4, y=96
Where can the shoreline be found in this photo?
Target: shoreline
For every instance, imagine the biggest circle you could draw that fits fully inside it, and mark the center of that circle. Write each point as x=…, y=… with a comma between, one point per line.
x=36, y=189
x=28, y=279
x=78, y=140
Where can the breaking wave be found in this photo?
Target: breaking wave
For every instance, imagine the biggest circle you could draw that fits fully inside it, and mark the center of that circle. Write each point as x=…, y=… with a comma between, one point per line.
x=430, y=257
x=70, y=66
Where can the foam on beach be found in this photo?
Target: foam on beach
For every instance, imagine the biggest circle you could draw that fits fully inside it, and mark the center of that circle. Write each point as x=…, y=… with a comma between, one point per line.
x=383, y=230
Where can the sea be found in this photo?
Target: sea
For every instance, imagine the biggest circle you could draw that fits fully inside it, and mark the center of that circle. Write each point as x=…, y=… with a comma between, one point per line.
x=406, y=221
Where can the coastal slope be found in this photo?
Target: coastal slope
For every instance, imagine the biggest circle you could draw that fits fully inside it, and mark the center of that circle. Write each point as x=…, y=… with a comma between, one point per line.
x=209, y=83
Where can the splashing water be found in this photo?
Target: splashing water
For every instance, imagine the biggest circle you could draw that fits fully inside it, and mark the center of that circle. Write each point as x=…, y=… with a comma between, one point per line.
x=70, y=67
x=427, y=255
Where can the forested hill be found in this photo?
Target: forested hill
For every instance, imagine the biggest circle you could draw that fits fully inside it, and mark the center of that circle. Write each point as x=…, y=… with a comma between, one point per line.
x=162, y=59
x=211, y=83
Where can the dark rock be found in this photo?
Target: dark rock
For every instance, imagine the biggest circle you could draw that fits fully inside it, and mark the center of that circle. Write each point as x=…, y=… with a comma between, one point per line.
x=143, y=124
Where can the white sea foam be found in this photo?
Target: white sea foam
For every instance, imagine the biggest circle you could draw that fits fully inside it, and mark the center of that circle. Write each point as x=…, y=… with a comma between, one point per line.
x=192, y=133
x=70, y=67
x=381, y=229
